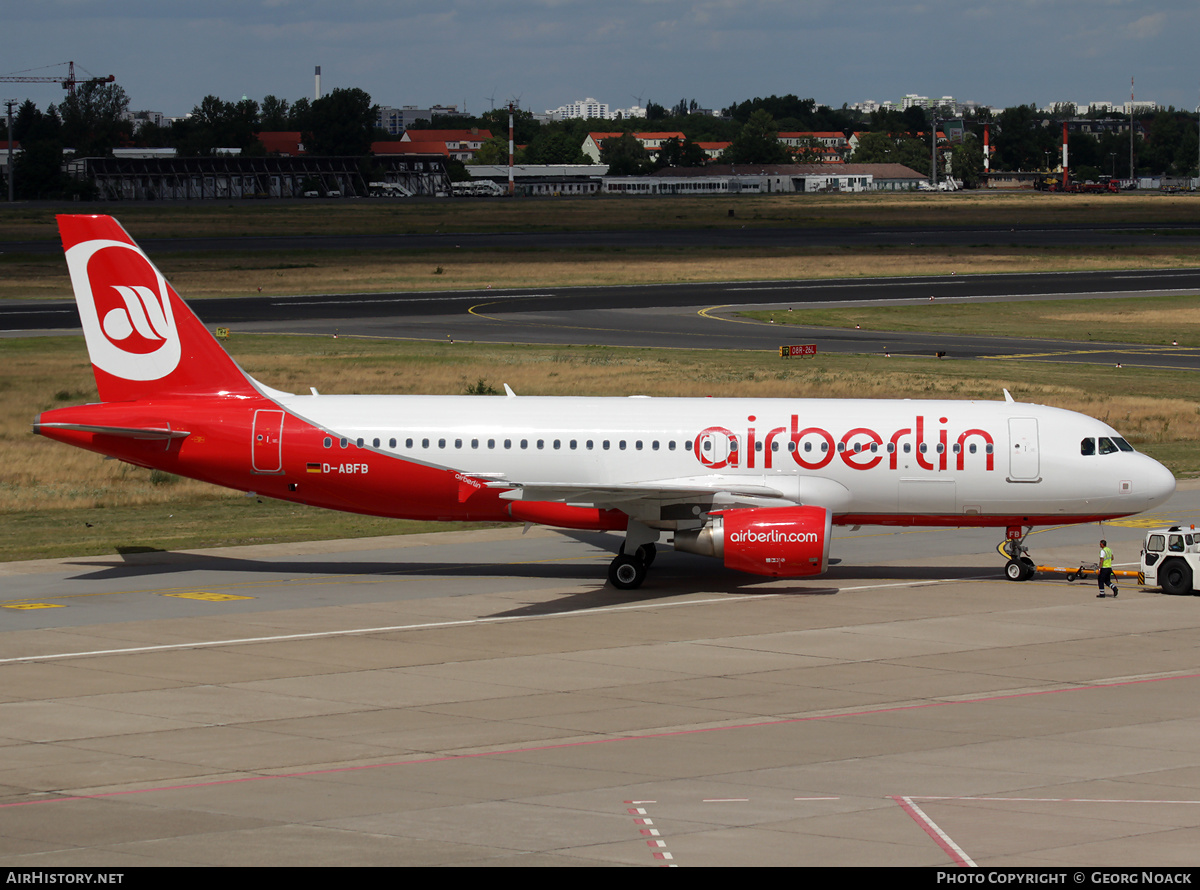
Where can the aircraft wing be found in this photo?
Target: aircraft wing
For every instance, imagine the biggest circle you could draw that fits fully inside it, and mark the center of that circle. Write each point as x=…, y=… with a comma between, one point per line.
x=717, y=490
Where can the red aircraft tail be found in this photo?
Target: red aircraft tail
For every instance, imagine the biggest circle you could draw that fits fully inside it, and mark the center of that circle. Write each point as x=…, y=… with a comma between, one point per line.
x=143, y=340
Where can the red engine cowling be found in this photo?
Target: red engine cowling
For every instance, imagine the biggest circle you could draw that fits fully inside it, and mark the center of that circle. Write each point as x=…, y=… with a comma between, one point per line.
x=788, y=542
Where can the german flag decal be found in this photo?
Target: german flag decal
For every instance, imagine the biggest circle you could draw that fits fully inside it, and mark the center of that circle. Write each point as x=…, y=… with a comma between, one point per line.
x=314, y=467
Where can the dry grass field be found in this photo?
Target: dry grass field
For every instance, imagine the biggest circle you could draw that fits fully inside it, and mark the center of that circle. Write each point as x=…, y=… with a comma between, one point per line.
x=1160, y=321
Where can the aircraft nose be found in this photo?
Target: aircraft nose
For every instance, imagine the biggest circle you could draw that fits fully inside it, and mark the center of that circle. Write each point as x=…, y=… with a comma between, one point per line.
x=1158, y=483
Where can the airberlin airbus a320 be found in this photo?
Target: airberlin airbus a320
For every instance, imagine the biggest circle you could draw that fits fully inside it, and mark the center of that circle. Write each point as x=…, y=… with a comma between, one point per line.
x=755, y=482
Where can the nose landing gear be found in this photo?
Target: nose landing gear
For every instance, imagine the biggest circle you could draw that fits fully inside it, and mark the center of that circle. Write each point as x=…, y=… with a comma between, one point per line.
x=1019, y=566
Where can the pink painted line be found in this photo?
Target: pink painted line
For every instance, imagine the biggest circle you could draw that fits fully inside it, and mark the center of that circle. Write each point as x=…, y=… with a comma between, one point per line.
x=939, y=837
x=625, y=738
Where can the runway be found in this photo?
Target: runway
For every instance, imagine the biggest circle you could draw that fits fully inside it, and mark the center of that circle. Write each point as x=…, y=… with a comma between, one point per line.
x=482, y=698
x=702, y=316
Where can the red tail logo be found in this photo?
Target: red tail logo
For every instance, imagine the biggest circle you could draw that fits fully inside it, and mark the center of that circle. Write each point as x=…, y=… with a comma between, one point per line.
x=125, y=308
x=135, y=324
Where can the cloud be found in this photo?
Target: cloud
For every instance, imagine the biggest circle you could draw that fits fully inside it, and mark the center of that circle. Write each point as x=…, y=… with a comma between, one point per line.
x=1147, y=27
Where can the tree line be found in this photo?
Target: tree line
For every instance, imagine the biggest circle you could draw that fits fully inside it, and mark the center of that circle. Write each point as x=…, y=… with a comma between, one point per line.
x=93, y=121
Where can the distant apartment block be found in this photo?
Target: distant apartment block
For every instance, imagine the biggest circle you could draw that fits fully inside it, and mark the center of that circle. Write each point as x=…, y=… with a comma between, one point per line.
x=396, y=120
x=591, y=108
x=146, y=118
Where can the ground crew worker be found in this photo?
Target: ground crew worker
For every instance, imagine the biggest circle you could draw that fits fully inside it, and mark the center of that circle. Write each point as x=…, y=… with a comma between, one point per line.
x=1105, y=576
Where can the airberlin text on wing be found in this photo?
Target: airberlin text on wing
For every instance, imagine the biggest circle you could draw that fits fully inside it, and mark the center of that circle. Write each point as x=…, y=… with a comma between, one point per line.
x=860, y=448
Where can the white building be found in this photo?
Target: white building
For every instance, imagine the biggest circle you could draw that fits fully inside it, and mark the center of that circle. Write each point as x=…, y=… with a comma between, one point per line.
x=592, y=108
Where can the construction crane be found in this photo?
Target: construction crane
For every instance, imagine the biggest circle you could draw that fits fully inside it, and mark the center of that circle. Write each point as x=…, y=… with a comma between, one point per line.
x=68, y=83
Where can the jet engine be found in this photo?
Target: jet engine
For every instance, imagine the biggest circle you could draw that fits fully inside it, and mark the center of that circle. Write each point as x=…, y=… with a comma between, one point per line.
x=788, y=542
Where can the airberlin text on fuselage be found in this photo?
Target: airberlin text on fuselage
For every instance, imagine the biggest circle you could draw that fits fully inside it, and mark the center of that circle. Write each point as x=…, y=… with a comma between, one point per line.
x=860, y=448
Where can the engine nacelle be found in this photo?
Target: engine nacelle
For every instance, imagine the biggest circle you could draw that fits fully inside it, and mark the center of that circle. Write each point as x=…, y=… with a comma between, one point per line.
x=788, y=542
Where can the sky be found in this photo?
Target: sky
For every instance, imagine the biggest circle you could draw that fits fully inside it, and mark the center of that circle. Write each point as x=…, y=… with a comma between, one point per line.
x=169, y=55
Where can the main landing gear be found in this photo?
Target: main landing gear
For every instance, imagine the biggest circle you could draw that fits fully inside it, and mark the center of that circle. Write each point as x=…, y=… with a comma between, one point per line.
x=627, y=571
x=1019, y=566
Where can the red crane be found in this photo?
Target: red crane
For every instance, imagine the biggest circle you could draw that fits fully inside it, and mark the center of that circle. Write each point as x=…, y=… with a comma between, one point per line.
x=68, y=83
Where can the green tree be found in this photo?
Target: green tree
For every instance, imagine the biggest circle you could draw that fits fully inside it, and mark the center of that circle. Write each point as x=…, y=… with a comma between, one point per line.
x=880, y=148
x=342, y=124
x=966, y=162
x=37, y=170
x=624, y=155
x=273, y=116
x=757, y=142
x=494, y=151
x=92, y=119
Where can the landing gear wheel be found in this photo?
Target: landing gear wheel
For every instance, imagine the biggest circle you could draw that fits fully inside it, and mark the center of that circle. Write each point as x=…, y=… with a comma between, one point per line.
x=1015, y=570
x=646, y=554
x=1030, y=568
x=626, y=572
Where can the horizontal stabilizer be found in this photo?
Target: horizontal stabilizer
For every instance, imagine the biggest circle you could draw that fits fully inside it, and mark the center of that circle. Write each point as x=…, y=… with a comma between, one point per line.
x=125, y=432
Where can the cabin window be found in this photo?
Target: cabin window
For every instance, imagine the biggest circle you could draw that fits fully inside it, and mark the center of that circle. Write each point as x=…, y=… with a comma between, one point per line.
x=988, y=449
x=589, y=444
x=474, y=443
x=424, y=443
x=491, y=443
x=508, y=443
x=328, y=442
x=654, y=445
x=524, y=443
x=638, y=445
x=940, y=447
x=972, y=448
x=923, y=448
x=458, y=443
x=671, y=445
x=541, y=443
x=441, y=443
x=408, y=443
x=358, y=442
x=374, y=443
x=391, y=443
x=605, y=445
x=345, y=442
x=621, y=444
x=908, y=447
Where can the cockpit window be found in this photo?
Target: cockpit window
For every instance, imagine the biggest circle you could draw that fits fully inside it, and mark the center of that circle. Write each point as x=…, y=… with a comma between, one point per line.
x=1087, y=446
x=1122, y=444
x=1107, y=446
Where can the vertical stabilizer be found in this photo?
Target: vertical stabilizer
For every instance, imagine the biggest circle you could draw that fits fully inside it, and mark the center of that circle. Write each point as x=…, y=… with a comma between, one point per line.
x=144, y=342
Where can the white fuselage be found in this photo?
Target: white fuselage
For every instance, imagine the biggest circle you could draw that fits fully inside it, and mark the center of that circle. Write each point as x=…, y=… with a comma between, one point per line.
x=914, y=462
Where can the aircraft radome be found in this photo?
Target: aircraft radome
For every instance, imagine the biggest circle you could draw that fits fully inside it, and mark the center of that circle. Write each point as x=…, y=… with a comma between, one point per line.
x=756, y=482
